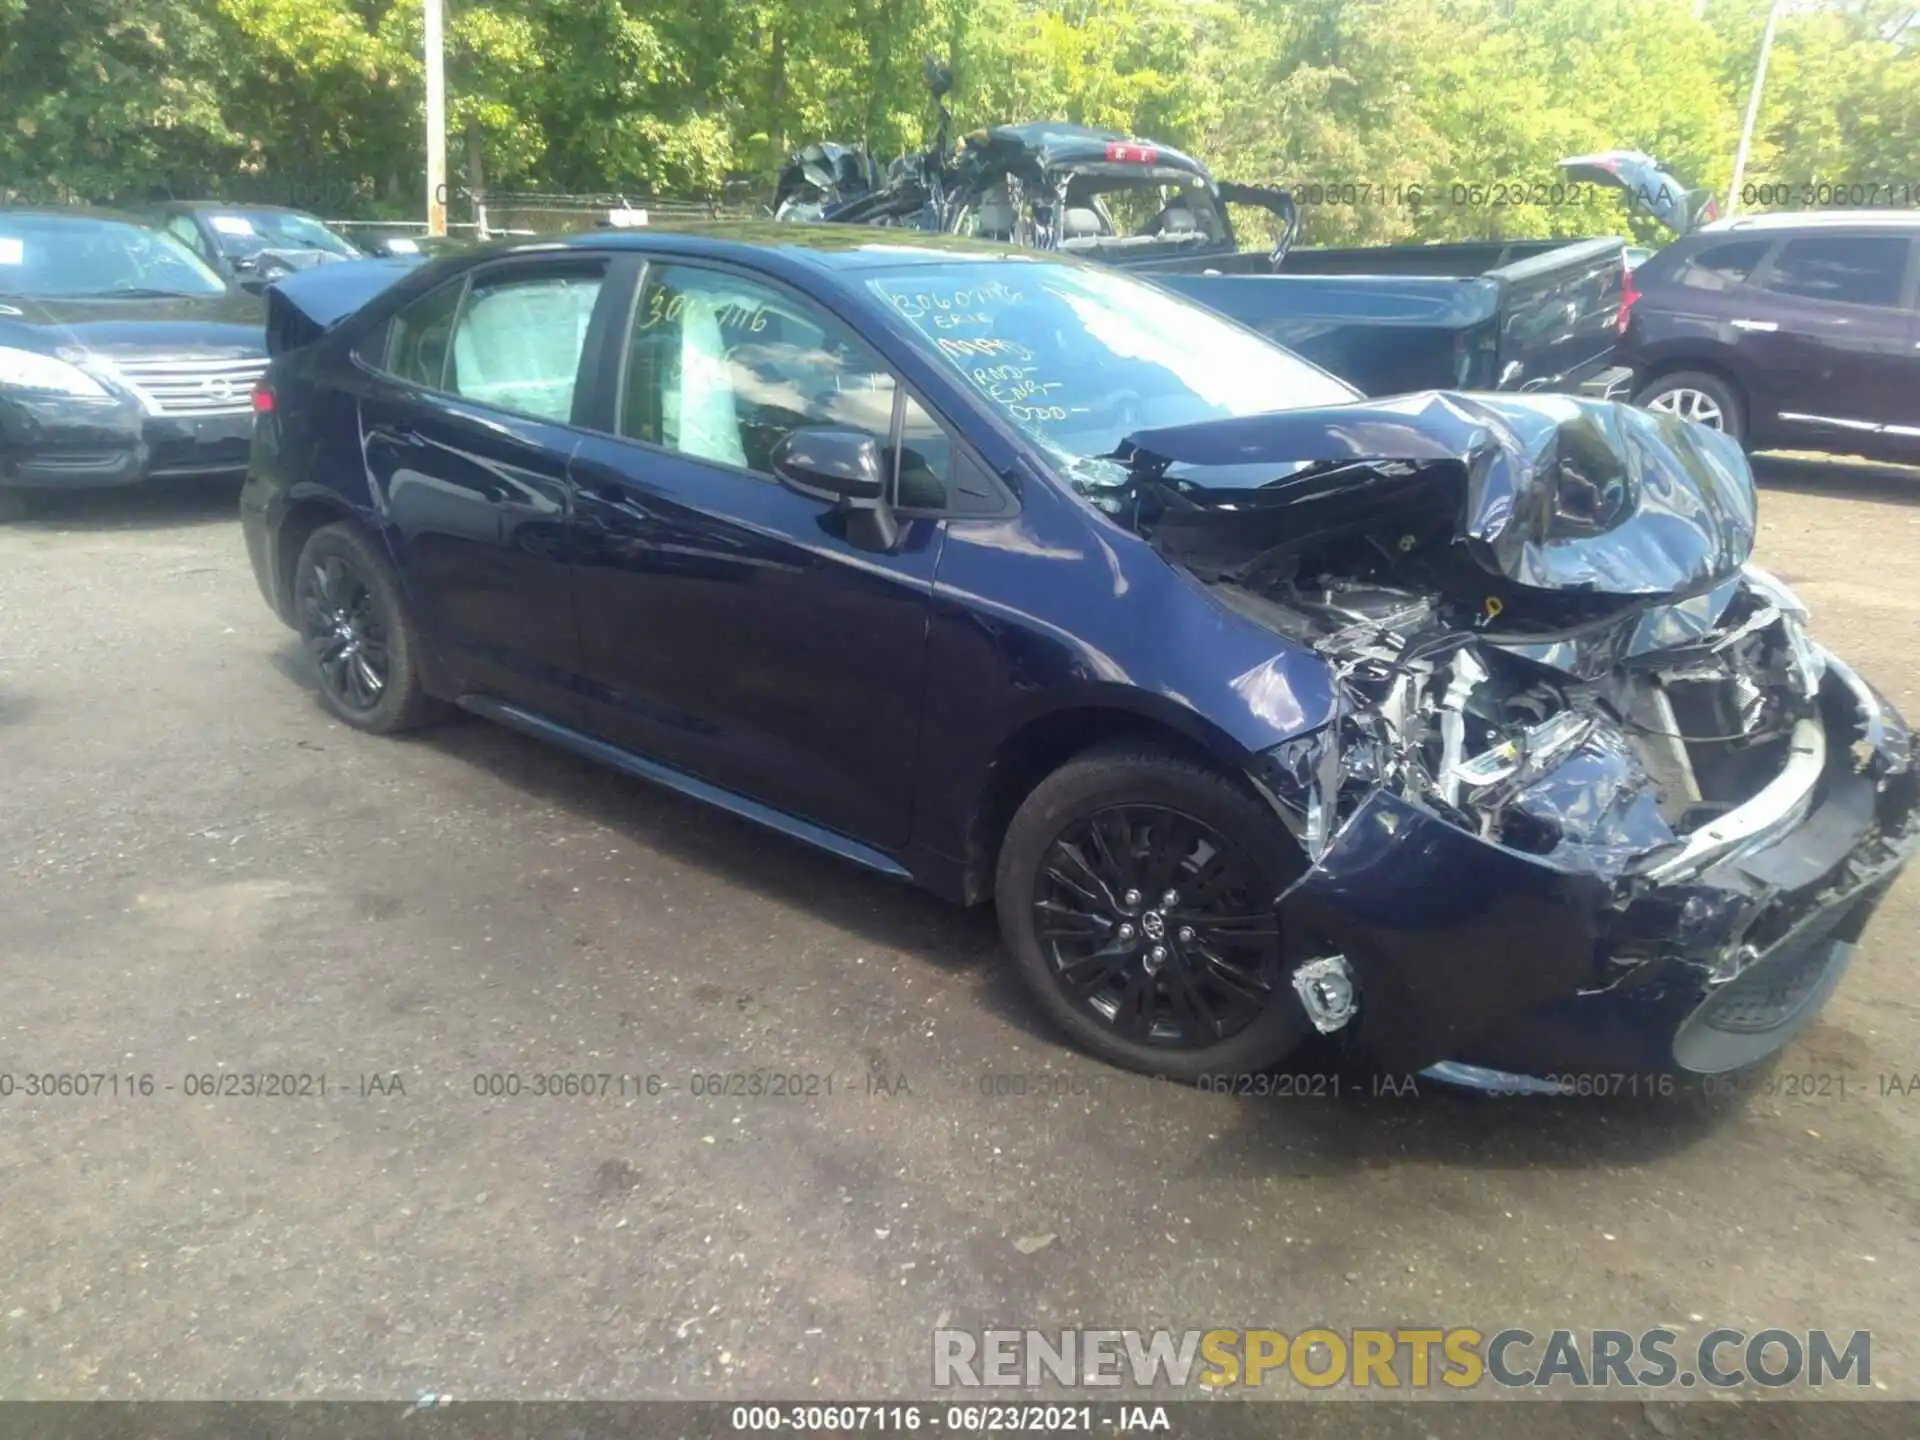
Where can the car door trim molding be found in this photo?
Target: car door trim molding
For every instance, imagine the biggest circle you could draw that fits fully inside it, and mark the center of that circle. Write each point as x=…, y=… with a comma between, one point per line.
x=587, y=747
x=1868, y=427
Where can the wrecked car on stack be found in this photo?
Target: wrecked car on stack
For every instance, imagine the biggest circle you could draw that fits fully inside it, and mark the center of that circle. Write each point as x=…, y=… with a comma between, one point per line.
x=1460, y=730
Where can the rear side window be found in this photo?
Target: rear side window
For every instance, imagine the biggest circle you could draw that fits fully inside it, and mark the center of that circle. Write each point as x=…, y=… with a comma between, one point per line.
x=417, y=339
x=518, y=342
x=1721, y=267
x=1847, y=269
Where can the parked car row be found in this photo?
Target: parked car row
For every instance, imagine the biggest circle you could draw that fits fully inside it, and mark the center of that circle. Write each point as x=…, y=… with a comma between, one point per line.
x=128, y=343
x=1457, y=731
x=124, y=355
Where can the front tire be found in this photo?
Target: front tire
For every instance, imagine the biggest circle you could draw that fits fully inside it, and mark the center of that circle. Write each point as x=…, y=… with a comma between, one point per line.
x=1135, y=890
x=357, y=629
x=1698, y=396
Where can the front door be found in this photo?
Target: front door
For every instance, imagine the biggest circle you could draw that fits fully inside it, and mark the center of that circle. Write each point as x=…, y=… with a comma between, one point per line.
x=729, y=627
x=467, y=428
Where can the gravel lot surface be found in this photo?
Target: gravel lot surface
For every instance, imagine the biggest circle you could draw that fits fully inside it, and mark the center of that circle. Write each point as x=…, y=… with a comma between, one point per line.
x=205, y=875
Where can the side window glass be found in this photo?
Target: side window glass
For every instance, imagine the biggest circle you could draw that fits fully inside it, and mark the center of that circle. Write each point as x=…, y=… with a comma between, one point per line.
x=518, y=342
x=722, y=368
x=926, y=461
x=417, y=339
x=1848, y=269
x=936, y=474
x=1721, y=267
x=184, y=229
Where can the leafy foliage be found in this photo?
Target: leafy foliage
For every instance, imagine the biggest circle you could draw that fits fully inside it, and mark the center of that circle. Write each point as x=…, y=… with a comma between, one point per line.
x=1407, y=114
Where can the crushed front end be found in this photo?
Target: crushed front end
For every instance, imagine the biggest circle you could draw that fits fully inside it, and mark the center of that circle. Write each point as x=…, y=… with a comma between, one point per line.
x=1594, y=801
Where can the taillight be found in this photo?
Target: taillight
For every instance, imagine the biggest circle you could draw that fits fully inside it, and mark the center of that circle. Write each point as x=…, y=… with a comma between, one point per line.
x=1629, y=293
x=1131, y=154
x=262, y=399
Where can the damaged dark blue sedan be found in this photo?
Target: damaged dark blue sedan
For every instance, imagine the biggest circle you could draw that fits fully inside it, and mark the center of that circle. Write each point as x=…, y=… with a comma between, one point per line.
x=1459, y=729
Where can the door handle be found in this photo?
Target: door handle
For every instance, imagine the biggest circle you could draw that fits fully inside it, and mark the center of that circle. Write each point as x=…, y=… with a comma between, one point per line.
x=404, y=435
x=1767, y=326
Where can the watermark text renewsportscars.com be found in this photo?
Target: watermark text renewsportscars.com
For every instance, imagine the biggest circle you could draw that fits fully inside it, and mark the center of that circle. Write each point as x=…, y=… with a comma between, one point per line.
x=1401, y=1358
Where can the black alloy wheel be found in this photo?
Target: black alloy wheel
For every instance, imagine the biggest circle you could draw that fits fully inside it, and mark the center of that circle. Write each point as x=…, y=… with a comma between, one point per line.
x=1137, y=891
x=354, y=624
x=1154, y=925
x=344, y=633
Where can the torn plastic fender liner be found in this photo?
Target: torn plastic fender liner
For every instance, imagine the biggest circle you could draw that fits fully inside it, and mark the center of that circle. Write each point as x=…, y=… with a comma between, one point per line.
x=1449, y=936
x=1558, y=492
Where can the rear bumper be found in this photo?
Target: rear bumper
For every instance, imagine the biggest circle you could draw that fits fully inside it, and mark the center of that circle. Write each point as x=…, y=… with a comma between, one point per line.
x=70, y=445
x=262, y=509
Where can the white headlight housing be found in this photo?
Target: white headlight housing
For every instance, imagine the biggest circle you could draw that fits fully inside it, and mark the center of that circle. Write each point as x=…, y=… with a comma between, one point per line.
x=29, y=370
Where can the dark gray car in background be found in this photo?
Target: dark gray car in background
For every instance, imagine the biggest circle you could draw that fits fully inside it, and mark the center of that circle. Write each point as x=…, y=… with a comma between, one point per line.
x=1787, y=331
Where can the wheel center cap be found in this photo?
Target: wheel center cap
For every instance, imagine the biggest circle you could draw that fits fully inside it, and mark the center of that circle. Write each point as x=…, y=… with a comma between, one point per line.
x=1155, y=924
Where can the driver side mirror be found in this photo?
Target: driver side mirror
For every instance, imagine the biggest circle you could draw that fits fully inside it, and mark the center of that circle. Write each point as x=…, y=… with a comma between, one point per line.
x=843, y=466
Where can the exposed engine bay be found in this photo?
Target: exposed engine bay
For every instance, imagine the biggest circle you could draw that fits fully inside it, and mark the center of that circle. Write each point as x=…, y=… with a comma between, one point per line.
x=1572, y=747
x=1543, y=631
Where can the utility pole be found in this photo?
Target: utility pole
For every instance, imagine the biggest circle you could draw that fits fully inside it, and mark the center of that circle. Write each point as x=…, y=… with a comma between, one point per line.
x=437, y=120
x=1753, y=109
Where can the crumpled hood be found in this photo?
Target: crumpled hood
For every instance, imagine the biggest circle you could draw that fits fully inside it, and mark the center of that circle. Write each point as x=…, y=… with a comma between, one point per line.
x=293, y=257
x=1553, y=492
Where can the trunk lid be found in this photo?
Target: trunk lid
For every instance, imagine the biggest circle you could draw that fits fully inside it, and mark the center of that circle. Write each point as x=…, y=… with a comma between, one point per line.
x=1647, y=186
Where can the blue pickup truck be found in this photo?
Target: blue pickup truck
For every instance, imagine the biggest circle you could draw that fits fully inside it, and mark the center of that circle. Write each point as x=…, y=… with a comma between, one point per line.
x=1496, y=315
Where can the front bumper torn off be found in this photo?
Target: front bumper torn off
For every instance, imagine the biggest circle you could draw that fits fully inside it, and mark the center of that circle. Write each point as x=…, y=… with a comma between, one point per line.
x=1623, y=947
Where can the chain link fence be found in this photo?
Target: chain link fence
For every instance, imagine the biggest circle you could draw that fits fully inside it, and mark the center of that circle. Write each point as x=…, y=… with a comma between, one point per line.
x=527, y=212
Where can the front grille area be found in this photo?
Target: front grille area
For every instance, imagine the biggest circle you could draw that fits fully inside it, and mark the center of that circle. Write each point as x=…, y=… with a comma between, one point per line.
x=187, y=385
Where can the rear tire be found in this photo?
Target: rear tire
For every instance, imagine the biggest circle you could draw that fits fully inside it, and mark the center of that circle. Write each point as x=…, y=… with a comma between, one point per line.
x=355, y=625
x=1135, y=891
x=1697, y=395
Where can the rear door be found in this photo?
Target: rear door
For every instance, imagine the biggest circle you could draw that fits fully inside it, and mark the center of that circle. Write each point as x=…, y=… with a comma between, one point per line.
x=467, y=425
x=1828, y=332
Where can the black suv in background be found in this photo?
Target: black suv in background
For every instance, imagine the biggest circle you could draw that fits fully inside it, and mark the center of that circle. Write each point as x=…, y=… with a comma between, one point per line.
x=1788, y=331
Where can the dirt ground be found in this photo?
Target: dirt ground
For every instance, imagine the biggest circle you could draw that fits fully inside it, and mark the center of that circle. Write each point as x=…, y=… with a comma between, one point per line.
x=205, y=876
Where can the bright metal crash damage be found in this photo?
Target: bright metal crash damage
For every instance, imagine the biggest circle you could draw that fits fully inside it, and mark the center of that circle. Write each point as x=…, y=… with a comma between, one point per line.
x=1545, y=633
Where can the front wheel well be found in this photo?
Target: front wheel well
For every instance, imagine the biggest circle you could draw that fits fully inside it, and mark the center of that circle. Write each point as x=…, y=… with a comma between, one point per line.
x=1041, y=747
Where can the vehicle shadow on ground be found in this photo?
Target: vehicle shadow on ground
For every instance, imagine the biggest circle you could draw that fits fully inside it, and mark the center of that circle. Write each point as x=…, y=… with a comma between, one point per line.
x=156, y=505
x=1313, y=1117
x=1842, y=479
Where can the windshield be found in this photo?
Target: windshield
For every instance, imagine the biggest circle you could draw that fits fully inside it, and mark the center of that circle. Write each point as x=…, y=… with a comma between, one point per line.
x=244, y=233
x=1080, y=357
x=58, y=257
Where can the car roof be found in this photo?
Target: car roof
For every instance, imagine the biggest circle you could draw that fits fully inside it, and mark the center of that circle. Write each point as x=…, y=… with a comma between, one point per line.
x=790, y=246
x=1898, y=220
x=76, y=212
x=217, y=205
